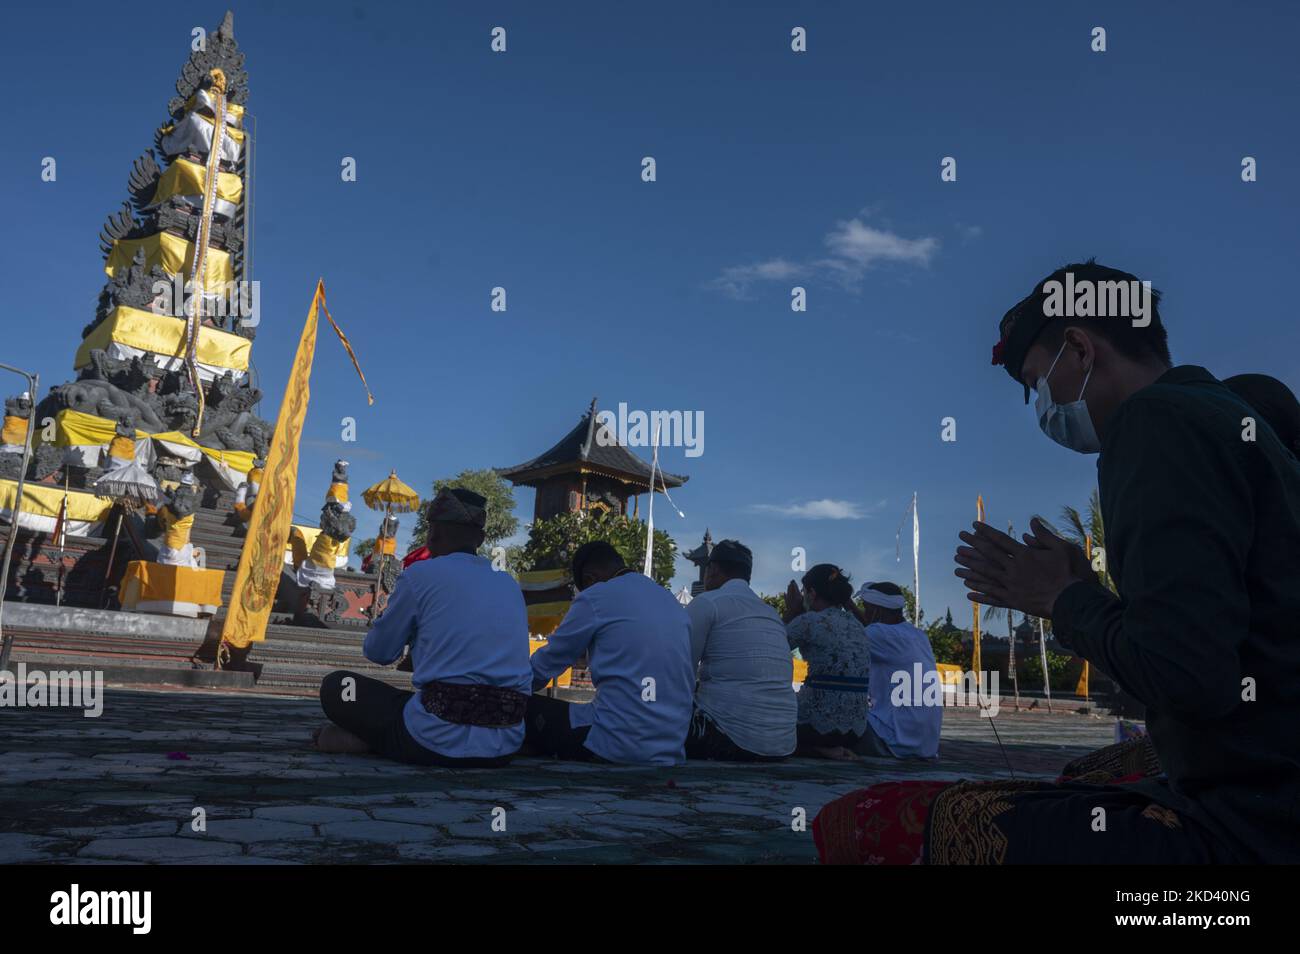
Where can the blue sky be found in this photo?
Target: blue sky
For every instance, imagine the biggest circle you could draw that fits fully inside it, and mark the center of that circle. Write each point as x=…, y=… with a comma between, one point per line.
x=522, y=170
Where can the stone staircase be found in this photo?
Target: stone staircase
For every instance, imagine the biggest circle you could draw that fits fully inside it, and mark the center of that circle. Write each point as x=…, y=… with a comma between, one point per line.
x=310, y=633
x=304, y=641
x=300, y=647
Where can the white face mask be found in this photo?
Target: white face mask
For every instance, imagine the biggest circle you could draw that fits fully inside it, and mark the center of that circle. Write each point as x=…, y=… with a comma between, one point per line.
x=1070, y=425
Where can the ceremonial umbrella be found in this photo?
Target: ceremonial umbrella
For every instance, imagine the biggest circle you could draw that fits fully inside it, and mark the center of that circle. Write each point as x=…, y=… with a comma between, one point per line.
x=391, y=496
x=130, y=485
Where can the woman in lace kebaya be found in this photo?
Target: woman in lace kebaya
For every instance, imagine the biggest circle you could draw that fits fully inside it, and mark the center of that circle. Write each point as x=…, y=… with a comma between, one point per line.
x=834, y=701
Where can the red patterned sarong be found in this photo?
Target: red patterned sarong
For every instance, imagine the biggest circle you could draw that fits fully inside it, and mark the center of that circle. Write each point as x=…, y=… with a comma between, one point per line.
x=880, y=825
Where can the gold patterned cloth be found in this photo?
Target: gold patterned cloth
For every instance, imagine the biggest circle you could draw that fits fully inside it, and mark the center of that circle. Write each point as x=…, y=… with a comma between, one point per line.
x=1070, y=821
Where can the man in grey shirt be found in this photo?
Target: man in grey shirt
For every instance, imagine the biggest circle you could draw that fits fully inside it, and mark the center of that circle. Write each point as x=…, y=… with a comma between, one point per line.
x=745, y=704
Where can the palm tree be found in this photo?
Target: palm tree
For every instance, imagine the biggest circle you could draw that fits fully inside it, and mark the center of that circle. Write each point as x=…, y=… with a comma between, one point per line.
x=1081, y=530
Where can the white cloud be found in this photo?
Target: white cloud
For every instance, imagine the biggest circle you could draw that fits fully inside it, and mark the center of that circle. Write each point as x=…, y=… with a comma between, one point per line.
x=824, y=509
x=736, y=280
x=862, y=246
x=854, y=248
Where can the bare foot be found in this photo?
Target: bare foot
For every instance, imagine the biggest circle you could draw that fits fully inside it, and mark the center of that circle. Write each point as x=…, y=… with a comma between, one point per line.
x=335, y=740
x=838, y=752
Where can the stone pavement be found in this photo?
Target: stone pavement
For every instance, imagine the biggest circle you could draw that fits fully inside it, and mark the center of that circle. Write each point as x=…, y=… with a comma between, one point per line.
x=125, y=788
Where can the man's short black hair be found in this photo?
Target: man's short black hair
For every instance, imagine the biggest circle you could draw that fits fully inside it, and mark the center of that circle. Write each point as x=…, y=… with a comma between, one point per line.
x=596, y=553
x=733, y=558
x=1027, y=323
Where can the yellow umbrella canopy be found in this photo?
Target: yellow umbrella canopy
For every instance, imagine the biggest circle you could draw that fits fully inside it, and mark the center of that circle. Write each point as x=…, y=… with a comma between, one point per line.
x=391, y=494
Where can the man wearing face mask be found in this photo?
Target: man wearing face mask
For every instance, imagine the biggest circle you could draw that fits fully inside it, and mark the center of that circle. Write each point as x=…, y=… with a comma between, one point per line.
x=1202, y=517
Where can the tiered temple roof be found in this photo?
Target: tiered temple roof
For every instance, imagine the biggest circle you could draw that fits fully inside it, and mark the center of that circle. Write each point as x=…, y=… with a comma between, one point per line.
x=579, y=452
x=580, y=473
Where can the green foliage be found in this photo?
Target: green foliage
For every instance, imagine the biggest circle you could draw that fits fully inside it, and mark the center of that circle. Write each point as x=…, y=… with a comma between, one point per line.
x=1058, y=665
x=945, y=642
x=1079, y=529
x=777, y=603
x=363, y=548
x=552, y=543
x=501, y=519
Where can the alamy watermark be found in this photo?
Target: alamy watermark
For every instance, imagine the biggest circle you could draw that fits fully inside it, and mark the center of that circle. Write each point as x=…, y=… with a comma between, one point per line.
x=76, y=907
x=638, y=429
x=236, y=299
x=920, y=687
x=1089, y=299
x=60, y=688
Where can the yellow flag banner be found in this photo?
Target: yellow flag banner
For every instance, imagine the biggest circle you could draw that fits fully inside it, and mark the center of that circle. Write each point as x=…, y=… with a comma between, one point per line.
x=258, y=574
x=347, y=346
x=260, y=563
x=1082, y=688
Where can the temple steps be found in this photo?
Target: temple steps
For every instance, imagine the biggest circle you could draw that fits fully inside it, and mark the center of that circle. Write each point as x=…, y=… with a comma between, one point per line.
x=129, y=648
x=297, y=658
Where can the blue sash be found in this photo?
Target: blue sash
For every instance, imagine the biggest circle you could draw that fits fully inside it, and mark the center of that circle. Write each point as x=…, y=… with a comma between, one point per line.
x=838, y=683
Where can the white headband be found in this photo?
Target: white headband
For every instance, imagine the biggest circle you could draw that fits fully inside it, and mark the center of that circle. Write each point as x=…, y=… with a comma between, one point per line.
x=877, y=598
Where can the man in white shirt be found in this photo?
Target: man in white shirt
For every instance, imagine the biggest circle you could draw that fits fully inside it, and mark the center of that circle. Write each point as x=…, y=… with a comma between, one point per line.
x=467, y=630
x=897, y=647
x=638, y=641
x=745, y=704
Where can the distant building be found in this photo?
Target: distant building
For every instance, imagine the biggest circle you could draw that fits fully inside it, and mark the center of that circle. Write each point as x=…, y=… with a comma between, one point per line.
x=700, y=557
x=580, y=473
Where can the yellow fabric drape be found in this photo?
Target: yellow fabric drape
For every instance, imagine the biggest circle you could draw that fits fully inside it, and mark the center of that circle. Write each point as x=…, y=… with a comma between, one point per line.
x=176, y=533
x=325, y=552
x=299, y=543
x=146, y=582
x=545, y=618
x=43, y=500
x=173, y=255
x=262, y=559
x=184, y=177
x=14, y=431
x=564, y=678
x=164, y=335
x=77, y=429
x=337, y=492
x=386, y=546
x=121, y=448
x=302, y=541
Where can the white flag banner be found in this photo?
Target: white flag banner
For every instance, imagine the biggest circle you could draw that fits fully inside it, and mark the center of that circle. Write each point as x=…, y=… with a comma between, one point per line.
x=648, y=570
x=916, y=564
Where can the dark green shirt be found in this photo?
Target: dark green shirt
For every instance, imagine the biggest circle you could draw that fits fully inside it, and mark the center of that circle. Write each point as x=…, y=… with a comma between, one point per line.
x=1203, y=542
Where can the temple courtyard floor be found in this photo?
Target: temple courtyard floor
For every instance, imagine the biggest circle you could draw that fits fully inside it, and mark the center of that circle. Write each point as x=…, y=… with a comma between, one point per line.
x=131, y=785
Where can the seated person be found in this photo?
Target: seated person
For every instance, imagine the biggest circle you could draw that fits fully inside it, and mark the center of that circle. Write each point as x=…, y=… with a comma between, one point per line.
x=745, y=703
x=1274, y=402
x=834, y=700
x=638, y=640
x=467, y=630
x=1202, y=518
x=904, y=731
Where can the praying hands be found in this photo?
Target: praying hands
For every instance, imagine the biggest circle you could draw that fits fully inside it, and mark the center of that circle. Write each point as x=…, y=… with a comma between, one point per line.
x=1029, y=576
